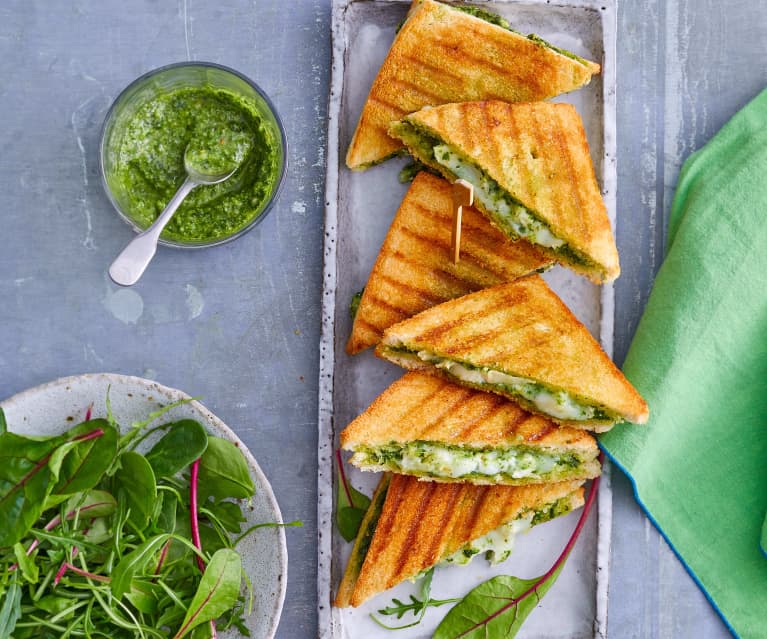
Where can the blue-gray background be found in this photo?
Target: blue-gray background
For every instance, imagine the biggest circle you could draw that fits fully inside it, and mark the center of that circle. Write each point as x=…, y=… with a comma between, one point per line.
x=239, y=325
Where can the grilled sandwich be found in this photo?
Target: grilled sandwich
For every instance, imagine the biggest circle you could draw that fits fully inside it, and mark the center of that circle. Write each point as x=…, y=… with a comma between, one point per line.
x=447, y=53
x=414, y=269
x=521, y=341
x=431, y=428
x=411, y=526
x=531, y=171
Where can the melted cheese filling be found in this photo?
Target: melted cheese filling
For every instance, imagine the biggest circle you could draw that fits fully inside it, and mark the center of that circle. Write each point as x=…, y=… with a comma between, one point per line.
x=559, y=404
x=497, y=544
x=437, y=460
x=512, y=217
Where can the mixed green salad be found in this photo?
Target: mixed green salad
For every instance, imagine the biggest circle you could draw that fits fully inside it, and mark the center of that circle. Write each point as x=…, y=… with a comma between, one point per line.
x=100, y=540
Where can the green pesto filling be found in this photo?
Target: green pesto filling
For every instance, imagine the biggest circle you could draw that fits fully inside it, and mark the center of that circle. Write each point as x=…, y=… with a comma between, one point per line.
x=423, y=143
x=524, y=392
x=434, y=459
x=494, y=18
x=354, y=305
x=552, y=511
x=487, y=16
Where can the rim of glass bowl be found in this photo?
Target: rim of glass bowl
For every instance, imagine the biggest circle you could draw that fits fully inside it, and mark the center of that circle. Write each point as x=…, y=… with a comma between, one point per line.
x=281, y=173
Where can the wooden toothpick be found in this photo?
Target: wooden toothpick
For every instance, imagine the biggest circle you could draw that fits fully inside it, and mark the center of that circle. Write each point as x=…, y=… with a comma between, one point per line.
x=463, y=195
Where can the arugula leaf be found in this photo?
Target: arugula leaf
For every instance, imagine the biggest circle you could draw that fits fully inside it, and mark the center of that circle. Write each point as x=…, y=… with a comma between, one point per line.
x=270, y=524
x=351, y=505
x=185, y=441
x=10, y=610
x=497, y=608
x=137, y=427
x=217, y=592
x=417, y=606
x=224, y=472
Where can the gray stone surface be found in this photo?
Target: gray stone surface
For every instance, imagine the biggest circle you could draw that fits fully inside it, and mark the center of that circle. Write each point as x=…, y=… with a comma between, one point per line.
x=238, y=325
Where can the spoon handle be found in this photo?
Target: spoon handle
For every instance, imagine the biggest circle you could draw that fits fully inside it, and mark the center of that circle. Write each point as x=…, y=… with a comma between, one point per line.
x=131, y=263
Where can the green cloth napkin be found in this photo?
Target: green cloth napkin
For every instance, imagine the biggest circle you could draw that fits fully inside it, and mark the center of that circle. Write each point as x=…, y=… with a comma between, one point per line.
x=699, y=358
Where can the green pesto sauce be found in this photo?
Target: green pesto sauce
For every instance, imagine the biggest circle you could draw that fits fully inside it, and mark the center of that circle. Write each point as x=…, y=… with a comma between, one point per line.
x=487, y=16
x=223, y=131
x=492, y=18
x=354, y=305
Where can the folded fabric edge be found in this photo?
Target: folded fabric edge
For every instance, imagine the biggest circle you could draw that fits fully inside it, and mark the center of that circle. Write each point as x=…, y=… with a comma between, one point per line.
x=689, y=570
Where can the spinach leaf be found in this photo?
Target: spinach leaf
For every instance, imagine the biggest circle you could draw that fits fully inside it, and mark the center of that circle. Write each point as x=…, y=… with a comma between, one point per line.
x=351, y=505
x=228, y=514
x=224, y=472
x=84, y=465
x=3, y=423
x=136, y=479
x=217, y=592
x=185, y=441
x=53, y=604
x=350, y=509
x=10, y=611
x=145, y=596
x=166, y=516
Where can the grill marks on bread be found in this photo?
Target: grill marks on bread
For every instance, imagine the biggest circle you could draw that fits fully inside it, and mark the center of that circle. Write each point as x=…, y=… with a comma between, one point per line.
x=443, y=55
x=414, y=269
x=423, y=522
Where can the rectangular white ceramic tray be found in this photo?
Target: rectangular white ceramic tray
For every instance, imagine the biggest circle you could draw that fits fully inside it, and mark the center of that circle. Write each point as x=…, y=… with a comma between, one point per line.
x=359, y=208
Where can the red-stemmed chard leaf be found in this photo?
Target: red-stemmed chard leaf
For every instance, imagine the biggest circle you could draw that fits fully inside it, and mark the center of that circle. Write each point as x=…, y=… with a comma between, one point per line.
x=85, y=464
x=28, y=468
x=67, y=566
x=194, y=480
x=217, y=592
x=194, y=519
x=497, y=608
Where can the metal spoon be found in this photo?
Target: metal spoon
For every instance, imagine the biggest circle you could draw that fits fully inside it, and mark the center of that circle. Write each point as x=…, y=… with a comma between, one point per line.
x=131, y=263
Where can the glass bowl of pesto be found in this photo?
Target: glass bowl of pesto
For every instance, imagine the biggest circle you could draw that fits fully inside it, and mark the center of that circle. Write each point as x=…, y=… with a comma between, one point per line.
x=148, y=129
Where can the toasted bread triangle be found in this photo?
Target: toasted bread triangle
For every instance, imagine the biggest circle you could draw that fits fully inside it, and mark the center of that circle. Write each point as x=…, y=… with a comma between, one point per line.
x=414, y=269
x=521, y=329
x=420, y=523
x=538, y=154
x=443, y=55
x=422, y=409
